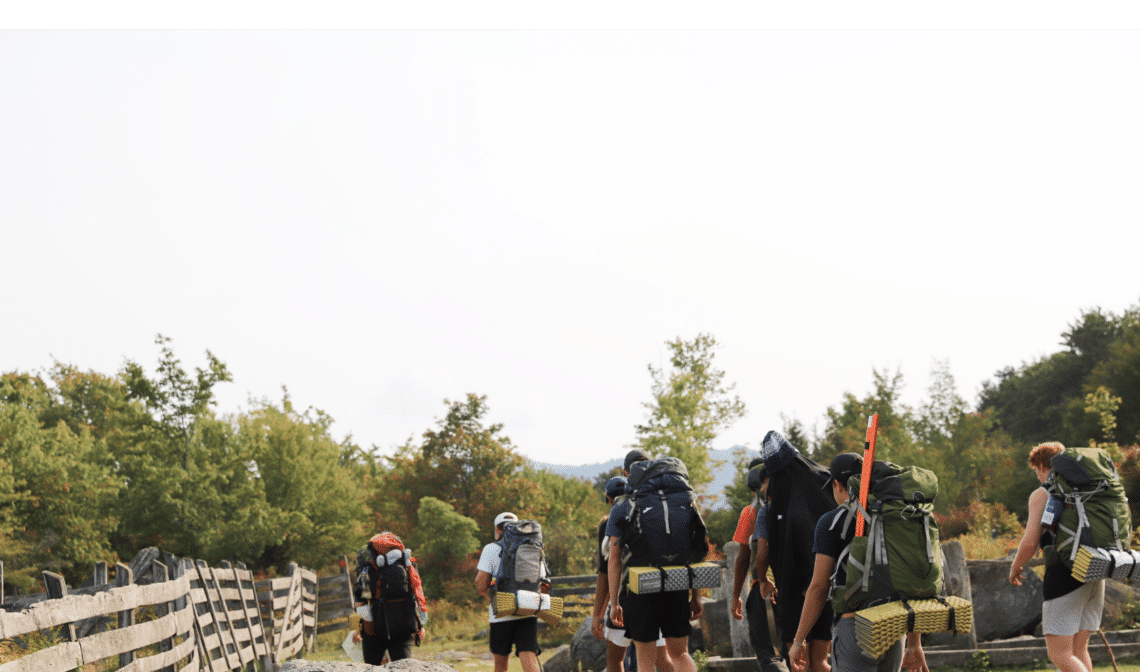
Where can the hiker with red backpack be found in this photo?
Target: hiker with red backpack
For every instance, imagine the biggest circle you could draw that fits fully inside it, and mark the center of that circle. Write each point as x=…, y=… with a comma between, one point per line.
x=507, y=564
x=390, y=596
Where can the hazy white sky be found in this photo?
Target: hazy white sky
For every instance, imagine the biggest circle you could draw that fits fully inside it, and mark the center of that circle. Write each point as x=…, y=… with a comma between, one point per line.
x=383, y=219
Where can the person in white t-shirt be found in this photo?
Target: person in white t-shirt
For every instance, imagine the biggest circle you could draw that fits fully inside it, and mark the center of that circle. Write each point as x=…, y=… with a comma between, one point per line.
x=520, y=632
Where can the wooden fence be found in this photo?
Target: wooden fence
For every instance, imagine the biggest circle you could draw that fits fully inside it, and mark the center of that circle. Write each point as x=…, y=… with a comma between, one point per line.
x=167, y=614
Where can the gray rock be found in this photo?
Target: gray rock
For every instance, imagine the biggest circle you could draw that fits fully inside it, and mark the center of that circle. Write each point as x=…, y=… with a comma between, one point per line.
x=406, y=665
x=1001, y=610
x=415, y=665
x=1117, y=596
x=560, y=661
x=326, y=666
x=715, y=628
x=586, y=651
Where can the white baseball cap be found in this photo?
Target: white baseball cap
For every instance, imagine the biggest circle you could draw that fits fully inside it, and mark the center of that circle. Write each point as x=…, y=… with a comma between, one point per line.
x=504, y=517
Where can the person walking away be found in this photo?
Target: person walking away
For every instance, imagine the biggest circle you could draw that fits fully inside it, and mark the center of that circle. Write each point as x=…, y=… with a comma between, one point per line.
x=389, y=584
x=648, y=616
x=601, y=626
x=830, y=542
x=752, y=530
x=519, y=632
x=1072, y=610
x=798, y=496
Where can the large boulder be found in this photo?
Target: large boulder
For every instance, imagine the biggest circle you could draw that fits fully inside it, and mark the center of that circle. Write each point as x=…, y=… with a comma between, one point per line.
x=586, y=651
x=715, y=628
x=415, y=665
x=1001, y=610
x=560, y=661
x=1117, y=597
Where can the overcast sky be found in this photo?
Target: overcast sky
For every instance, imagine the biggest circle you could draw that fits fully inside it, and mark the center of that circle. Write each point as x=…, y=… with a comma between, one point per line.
x=383, y=219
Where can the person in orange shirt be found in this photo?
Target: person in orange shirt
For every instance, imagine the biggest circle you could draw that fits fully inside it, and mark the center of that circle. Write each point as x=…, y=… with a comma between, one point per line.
x=749, y=527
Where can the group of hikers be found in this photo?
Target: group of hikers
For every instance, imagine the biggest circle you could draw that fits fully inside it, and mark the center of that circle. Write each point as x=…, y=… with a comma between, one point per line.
x=818, y=545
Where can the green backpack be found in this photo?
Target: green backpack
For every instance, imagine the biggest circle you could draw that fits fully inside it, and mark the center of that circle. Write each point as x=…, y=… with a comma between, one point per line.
x=1096, y=508
x=899, y=557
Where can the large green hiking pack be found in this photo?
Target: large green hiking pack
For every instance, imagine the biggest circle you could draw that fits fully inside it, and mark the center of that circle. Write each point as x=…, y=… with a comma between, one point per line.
x=1095, y=506
x=900, y=556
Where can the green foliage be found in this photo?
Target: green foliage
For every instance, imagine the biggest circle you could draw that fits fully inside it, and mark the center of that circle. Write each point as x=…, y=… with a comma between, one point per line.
x=56, y=485
x=979, y=660
x=690, y=406
x=701, y=660
x=721, y=524
x=569, y=510
x=984, y=518
x=846, y=428
x=443, y=539
x=312, y=507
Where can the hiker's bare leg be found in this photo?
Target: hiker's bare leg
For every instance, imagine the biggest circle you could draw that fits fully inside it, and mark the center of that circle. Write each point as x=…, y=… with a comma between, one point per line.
x=679, y=651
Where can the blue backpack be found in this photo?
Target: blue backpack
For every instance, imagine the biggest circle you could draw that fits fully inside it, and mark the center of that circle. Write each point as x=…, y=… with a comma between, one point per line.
x=663, y=526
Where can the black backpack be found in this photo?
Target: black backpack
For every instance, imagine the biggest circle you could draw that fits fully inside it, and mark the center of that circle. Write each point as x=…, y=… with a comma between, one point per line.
x=394, y=609
x=522, y=559
x=663, y=526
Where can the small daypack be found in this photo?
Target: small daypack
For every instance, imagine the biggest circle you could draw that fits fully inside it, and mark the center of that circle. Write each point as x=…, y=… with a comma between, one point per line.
x=663, y=526
x=899, y=557
x=395, y=612
x=522, y=560
x=1095, y=511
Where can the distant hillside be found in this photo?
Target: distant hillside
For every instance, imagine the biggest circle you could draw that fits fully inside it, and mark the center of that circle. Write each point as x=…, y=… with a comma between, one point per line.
x=721, y=477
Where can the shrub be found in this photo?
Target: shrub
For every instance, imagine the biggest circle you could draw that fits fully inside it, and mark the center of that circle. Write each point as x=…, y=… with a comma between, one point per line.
x=983, y=519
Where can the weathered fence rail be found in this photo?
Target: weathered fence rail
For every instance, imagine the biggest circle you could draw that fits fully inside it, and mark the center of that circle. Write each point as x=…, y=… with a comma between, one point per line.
x=166, y=614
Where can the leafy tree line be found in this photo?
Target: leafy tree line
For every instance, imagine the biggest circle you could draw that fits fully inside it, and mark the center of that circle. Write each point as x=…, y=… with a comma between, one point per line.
x=96, y=466
x=1087, y=393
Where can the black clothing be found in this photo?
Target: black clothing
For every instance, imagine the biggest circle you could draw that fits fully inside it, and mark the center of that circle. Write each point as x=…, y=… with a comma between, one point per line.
x=375, y=647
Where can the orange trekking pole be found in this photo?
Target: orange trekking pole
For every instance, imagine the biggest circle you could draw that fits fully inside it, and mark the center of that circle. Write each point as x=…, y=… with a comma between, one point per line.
x=868, y=462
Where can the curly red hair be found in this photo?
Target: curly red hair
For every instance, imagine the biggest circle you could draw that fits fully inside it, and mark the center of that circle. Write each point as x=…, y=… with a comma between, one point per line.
x=1043, y=453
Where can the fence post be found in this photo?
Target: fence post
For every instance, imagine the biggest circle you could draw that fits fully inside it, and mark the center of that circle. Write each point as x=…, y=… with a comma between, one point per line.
x=1, y=582
x=56, y=588
x=206, y=578
x=123, y=577
x=99, y=574
x=161, y=574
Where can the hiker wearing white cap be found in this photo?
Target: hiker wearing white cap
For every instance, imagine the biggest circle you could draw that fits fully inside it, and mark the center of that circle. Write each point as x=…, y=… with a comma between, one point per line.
x=519, y=632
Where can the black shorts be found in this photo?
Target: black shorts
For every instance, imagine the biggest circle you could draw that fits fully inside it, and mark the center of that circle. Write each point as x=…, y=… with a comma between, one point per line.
x=522, y=633
x=788, y=618
x=375, y=648
x=645, y=615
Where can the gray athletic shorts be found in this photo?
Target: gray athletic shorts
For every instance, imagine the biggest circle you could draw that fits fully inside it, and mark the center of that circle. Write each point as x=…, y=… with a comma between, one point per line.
x=1079, y=610
x=850, y=658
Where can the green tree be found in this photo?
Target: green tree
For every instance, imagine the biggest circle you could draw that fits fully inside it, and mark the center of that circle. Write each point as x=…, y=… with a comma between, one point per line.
x=443, y=541
x=569, y=510
x=691, y=406
x=846, y=428
x=472, y=467
x=56, y=485
x=1119, y=373
x=316, y=508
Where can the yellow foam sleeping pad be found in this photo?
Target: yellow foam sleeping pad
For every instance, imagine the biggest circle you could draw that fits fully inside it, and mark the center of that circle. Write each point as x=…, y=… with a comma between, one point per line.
x=643, y=580
x=878, y=628
x=527, y=603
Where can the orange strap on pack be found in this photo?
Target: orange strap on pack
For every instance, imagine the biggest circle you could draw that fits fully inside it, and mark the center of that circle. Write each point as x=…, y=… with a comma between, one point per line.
x=868, y=462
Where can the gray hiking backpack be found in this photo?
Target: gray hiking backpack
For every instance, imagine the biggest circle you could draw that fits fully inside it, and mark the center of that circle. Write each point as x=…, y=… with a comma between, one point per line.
x=522, y=560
